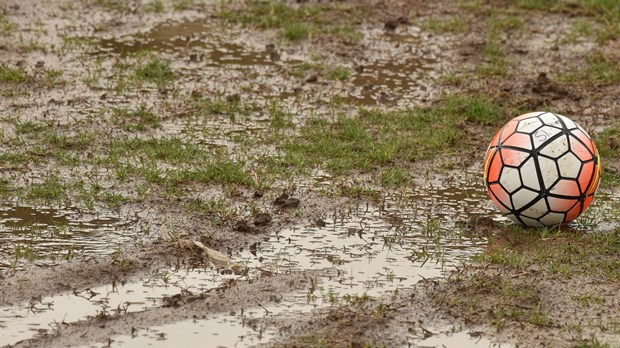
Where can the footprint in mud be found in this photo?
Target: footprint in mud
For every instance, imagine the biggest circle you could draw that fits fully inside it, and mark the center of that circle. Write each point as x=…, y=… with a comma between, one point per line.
x=243, y=227
x=285, y=202
x=262, y=219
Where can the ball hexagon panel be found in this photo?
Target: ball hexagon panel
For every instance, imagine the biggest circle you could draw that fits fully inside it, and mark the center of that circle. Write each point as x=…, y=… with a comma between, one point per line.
x=544, y=134
x=537, y=210
x=495, y=141
x=573, y=213
x=552, y=218
x=529, y=125
x=587, y=201
x=586, y=176
x=513, y=157
x=530, y=222
x=507, y=131
x=523, y=197
x=551, y=119
x=566, y=187
x=510, y=179
x=585, y=139
x=493, y=166
x=500, y=197
x=556, y=147
x=548, y=171
x=561, y=204
x=579, y=149
x=568, y=123
x=519, y=140
x=528, y=175
x=528, y=115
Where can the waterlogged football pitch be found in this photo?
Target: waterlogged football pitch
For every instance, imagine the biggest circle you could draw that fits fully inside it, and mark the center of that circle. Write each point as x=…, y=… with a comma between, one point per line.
x=309, y=174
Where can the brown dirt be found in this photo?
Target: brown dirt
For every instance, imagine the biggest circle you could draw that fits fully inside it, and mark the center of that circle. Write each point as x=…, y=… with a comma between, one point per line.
x=468, y=300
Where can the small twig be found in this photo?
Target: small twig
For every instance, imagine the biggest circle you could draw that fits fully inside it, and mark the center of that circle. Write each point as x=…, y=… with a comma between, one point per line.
x=263, y=307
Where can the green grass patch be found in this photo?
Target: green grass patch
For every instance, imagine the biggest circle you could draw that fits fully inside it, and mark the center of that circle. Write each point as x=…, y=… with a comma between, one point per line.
x=76, y=142
x=395, y=177
x=563, y=252
x=53, y=78
x=375, y=138
x=172, y=162
x=156, y=6
x=12, y=75
x=295, y=31
x=593, y=343
x=140, y=118
x=339, y=73
x=606, y=12
x=494, y=51
x=30, y=128
x=454, y=24
x=155, y=71
x=15, y=159
x=294, y=23
x=51, y=190
x=304, y=68
x=230, y=106
x=599, y=70
x=271, y=14
x=181, y=5
x=608, y=141
x=6, y=26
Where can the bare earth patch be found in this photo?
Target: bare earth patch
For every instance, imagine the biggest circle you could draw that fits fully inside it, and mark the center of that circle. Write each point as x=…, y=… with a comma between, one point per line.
x=295, y=174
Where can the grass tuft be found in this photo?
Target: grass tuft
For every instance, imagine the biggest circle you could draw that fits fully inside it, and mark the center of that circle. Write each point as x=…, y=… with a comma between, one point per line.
x=155, y=71
x=140, y=118
x=12, y=75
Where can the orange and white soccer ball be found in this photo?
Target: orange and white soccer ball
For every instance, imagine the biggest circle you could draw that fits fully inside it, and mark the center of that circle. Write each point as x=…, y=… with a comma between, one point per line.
x=542, y=169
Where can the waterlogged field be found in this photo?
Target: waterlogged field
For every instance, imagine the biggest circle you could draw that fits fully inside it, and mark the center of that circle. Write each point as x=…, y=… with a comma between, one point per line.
x=296, y=173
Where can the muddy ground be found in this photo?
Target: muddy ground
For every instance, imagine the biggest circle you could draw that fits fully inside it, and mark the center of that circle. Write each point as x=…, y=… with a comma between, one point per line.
x=278, y=135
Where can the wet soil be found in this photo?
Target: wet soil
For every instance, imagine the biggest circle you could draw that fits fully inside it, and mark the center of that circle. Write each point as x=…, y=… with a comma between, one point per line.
x=289, y=260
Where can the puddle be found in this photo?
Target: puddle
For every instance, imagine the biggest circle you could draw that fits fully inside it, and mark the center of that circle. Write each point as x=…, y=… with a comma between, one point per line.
x=47, y=236
x=376, y=249
x=192, y=38
x=459, y=340
x=387, y=82
x=392, y=81
x=44, y=314
x=169, y=36
x=218, y=332
x=370, y=250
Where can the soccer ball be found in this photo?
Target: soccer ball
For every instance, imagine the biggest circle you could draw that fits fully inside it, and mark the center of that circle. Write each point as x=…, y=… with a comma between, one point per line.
x=542, y=169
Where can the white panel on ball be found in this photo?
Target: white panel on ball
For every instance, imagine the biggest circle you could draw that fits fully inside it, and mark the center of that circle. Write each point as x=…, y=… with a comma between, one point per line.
x=568, y=122
x=523, y=197
x=529, y=125
x=528, y=173
x=552, y=219
x=509, y=178
x=537, y=210
x=543, y=135
x=549, y=171
x=530, y=222
x=569, y=165
x=551, y=120
x=556, y=148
